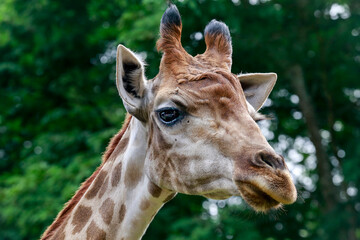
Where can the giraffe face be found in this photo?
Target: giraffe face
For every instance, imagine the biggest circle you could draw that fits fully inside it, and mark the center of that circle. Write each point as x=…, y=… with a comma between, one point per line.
x=201, y=121
x=191, y=135
x=203, y=140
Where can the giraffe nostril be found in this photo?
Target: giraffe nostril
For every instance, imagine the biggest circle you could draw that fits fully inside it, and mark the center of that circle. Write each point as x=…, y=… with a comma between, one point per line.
x=268, y=162
x=270, y=159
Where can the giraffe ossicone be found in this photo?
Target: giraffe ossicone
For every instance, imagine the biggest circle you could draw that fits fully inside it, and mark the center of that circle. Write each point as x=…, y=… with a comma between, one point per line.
x=192, y=129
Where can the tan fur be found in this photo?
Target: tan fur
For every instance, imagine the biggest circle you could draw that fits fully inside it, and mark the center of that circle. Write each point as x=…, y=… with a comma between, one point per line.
x=217, y=44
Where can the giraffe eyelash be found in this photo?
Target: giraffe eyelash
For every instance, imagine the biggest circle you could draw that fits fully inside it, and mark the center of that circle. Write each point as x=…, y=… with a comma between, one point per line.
x=260, y=117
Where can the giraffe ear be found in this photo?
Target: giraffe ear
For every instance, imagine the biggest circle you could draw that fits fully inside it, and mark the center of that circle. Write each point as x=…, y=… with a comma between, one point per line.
x=257, y=87
x=130, y=80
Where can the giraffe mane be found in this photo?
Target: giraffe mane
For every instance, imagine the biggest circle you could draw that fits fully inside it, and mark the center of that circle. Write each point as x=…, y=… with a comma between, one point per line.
x=116, y=139
x=69, y=206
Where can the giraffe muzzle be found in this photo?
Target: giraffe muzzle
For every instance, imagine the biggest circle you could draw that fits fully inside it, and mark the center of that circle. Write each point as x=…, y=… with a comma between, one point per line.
x=264, y=181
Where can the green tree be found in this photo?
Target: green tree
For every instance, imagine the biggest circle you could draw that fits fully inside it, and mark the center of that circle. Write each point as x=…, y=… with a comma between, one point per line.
x=59, y=108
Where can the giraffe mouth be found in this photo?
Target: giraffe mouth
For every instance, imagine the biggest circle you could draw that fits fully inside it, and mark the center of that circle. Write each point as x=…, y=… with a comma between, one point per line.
x=257, y=198
x=267, y=189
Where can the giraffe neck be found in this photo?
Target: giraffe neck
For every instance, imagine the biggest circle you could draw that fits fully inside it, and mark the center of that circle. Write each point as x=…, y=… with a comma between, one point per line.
x=121, y=201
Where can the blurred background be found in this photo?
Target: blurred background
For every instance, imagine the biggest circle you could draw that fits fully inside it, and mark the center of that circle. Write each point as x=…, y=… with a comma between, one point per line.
x=59, y=107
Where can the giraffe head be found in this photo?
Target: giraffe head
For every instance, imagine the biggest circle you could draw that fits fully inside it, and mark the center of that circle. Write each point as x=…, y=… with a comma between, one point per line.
x=200, y=119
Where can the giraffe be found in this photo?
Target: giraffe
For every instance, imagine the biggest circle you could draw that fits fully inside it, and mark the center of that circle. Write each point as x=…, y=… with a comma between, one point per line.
x=192, y=129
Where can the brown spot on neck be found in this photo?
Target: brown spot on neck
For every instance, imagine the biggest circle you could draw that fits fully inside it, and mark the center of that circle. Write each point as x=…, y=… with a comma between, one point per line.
x=122, y=212
x=104, y=187
x=122, y=144
x=81, y=217
x=132, y=175
x=93, y=232
x=98, y=183
x=116, y=175
x=60, y=234
x=145, y=204
x=107, y=210
x=154, y=190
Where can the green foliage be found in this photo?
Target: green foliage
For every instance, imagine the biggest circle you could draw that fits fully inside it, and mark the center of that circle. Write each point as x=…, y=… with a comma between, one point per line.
x=59, y=106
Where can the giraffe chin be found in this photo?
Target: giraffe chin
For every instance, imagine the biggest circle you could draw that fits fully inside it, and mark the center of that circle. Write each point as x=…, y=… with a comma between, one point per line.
x=257, y=199
x=219, y=195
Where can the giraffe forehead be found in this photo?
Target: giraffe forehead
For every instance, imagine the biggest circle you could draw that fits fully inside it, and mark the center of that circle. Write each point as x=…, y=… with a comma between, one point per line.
x=197, y=91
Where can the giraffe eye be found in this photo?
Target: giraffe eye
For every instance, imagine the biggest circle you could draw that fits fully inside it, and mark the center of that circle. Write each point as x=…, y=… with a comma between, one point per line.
x=169, y=116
